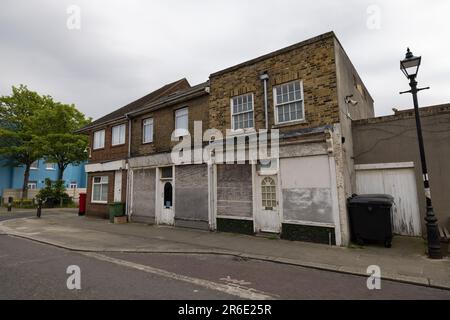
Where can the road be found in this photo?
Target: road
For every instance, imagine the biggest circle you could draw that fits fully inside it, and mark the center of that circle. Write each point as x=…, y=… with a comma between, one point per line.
x=31, y=270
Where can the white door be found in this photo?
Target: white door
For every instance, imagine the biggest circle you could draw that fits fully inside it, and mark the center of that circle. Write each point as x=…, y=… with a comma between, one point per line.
x=118, y=186
x=267, y=218
x=399, y=183
x=167, y=212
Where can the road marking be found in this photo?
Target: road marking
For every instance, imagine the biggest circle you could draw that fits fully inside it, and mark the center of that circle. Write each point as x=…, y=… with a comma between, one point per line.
x=250, y=294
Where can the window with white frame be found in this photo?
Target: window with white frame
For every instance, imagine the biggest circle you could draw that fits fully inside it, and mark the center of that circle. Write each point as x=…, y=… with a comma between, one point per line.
x=35, y=165
x=268, y=193
x=147, y=130
x=50, y=166
x=181, y=122
x=99, y=139
x=100, y=189
x=288, y=101
x=118, y=135
x=73, y=185
x=242, y=112
x=32, y=185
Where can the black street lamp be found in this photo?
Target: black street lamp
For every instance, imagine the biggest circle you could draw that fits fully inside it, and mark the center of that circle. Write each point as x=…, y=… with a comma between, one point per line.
x=410, y=67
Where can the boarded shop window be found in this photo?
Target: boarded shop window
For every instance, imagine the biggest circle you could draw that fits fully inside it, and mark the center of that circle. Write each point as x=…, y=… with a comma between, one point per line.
x=118, y=135
x=289, y=104
x=147, y=129
x=242, y=111
x=269, y=194
x=100, y=189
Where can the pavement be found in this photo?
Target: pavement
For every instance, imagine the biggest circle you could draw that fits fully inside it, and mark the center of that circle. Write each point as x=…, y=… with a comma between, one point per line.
x=405, y=261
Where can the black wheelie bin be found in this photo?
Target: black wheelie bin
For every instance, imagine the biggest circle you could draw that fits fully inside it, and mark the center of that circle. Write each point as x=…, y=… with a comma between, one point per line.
x=371, y=218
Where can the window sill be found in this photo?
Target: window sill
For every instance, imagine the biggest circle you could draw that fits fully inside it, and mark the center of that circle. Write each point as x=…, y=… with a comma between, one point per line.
x=145, y=143
x=98, y=149
x=99, y=202
x=238, y=132
x=288, y=124
x=117, y=145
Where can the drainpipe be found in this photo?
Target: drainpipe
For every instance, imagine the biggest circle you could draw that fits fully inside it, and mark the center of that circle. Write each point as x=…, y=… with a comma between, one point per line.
x=128, y=184
x=265, y=77
x=129, y=135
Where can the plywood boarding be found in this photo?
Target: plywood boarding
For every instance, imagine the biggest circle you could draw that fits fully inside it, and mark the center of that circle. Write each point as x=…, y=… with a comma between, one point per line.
x=143, y=193
x=234, y=190
x=191, y=192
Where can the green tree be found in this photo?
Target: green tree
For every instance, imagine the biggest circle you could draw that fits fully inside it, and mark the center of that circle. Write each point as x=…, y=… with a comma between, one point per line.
x=19, y=130
x=60, y=143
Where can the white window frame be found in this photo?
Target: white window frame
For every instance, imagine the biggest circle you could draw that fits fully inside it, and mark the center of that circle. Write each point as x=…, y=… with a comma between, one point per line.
x=34, y=165
x=147, y=123
x=50, y=166
x=267, y=195
x=31, y=184
x=242, y=112
x=102, y=184
x=73, y=185
x=301, y=100
x=118, y=134
x=99, y=144
x=180, y=132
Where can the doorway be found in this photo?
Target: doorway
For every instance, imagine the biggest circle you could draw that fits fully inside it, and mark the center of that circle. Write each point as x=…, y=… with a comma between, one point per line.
x=267, y=217
x=166, y=215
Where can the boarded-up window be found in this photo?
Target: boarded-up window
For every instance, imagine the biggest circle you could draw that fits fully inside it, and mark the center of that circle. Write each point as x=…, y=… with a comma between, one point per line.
x=234, y=190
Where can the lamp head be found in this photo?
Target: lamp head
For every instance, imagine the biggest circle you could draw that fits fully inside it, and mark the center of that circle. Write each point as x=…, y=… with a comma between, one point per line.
x=410, y=65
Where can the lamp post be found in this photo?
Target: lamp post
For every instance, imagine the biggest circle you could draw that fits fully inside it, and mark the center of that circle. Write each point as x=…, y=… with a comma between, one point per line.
x=410, y=67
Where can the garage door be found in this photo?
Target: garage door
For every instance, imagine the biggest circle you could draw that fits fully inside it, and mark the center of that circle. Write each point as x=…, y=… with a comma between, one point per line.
x=398, y=180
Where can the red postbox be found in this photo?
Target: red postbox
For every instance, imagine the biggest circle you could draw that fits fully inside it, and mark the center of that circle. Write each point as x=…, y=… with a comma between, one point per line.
x=82, y=204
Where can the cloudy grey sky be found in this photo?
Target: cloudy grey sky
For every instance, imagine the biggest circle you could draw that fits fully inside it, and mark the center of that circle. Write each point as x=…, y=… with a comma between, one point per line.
x=125, y=49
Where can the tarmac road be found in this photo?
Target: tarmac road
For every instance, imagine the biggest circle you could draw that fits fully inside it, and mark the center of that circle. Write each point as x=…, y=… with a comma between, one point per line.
x=31, y=270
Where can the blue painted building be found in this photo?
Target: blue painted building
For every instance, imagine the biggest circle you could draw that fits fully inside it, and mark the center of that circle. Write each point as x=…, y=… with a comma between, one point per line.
x=6, y=174
x=12, y=177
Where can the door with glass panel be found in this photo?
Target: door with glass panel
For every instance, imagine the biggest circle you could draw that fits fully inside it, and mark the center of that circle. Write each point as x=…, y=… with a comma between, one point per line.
x=267, y=217
x=166, y=193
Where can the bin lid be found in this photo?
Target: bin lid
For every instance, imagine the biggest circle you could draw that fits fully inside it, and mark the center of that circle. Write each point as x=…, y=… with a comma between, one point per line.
x=372, y=199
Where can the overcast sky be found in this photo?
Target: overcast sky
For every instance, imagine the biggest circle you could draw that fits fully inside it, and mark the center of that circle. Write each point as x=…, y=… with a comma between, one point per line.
x=125, y=49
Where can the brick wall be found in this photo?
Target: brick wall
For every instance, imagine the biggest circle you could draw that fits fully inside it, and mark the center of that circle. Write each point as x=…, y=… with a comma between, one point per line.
x=109, y=152
x=99, y=209
x=164, y=124
x=313, y=62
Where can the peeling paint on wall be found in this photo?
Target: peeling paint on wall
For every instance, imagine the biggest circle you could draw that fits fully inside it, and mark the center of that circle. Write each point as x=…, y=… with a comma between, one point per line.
x=308, y=204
